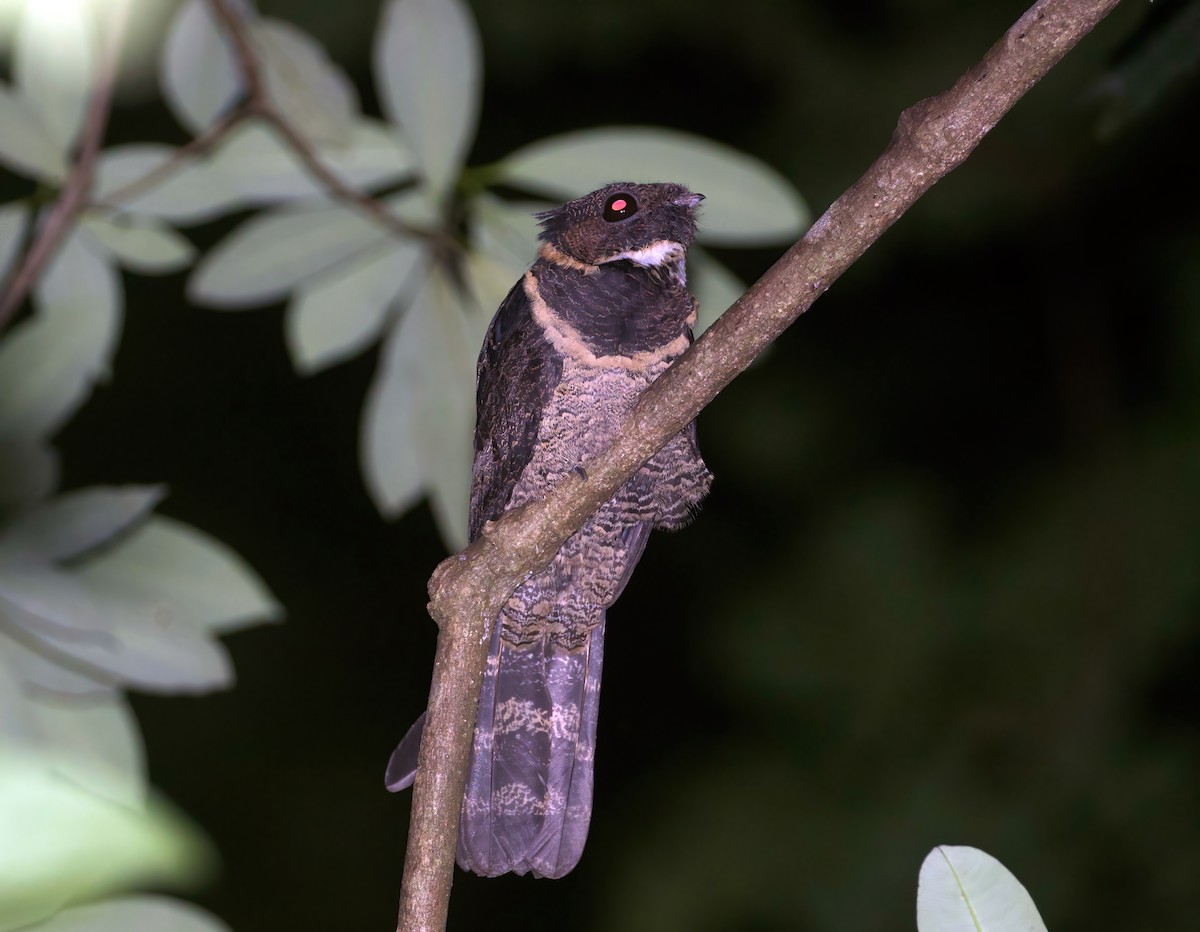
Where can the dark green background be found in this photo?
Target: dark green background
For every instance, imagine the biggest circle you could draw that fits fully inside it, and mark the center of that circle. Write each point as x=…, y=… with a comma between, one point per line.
x=946, y=588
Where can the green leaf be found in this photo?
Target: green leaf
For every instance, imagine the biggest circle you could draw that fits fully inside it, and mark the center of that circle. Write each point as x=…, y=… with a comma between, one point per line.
x=310, y=91
x=268, y=255
x=195, y=577
x=13, y=220
x=28, y=473
x=94, y=742
x=963, y=888
x=142, y=913
x=505, y=230
x=16, y=718
x=198, y=73
x=49, y=363
x=264, y=170
x=748, y=203
x=193, y=192
x=74, y=523
x=54, y=62
x=111, y=636
x=420, y=408
x=50, y=674
x=715, y=287
x=140, y=243
x=341, y=312
x=25, y=143
x=428, y=64
x=75, y=844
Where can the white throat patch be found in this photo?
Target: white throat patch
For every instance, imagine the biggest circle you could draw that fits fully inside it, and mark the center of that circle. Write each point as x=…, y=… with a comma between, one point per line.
x=659, y=253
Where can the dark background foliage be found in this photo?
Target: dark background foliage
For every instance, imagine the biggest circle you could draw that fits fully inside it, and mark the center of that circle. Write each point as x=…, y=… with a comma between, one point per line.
x=945, y=590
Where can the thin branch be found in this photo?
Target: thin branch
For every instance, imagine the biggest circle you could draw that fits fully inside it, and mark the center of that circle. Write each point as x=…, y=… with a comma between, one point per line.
x=73, y=199
x=208, y=140
x=258, y=102
x=468, y=590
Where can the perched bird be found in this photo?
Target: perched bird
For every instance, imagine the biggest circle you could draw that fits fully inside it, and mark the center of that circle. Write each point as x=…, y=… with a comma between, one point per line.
x=600, y=314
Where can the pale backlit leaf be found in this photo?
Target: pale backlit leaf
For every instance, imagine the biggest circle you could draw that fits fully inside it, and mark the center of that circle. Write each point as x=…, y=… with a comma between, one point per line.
x=126, y=914
x=420, y=408
x=428, y=71
x=391, y=461
x=268, y=255
x=76, y=844
x=748, y=202
x=963, y=889
x=50, y=361
x=94, y=742
x=340, y=313
x=48, y=673
x=193, y=192
x=16, y=718
x=76, y=522
x=25, y=144
x=141, y=243
x=715, y=287
x=506, y=230
x=186, y=573
x=310, y=90
x=198, y=72
x=54, y=61
x=263, y=169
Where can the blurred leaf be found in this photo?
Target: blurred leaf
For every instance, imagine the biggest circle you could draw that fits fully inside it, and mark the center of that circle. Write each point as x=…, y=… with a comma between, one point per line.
x=133, y=914
x=1148, y=74
x=141, y=244
x=50, y=675
x=13, y=220
x=94, y=742
x=193, y=192
x=186, y=573
x=119, y=639
x=16, y=719
x=268, y=255
x=25, y=143
x=341, y=312
x=715, y=287
x=49, y=362
x=491, y=280
x=311, y=92
x=76, y=844
x=506, y=230
x=198, y=73
x=28, y=472
x=747, y=203
x=964, y=888
x=76, y=522
x=54, y=61
x=428, y=64
x=47, y=603
x=263, y=169
x=419, y=410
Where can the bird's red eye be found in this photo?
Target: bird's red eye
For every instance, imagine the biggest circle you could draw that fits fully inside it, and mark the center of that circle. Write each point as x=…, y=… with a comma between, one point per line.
x=619, y=206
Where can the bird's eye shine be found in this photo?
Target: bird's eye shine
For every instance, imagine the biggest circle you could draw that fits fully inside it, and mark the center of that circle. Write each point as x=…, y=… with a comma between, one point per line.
x=619, y=206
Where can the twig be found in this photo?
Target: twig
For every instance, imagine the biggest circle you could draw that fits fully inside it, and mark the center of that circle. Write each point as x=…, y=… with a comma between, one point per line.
x=73, y=199
x=197, y=145
x=468, y=590
x=258, y=102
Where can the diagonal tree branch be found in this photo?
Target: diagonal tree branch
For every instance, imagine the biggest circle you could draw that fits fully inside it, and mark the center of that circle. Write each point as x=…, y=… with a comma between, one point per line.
x=73, y=199
x=468, y=590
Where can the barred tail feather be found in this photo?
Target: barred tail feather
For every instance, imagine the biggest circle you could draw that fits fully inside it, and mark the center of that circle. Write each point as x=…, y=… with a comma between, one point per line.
x=528, y=800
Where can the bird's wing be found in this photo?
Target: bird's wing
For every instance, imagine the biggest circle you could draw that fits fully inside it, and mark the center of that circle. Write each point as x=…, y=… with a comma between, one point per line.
x=516, y=375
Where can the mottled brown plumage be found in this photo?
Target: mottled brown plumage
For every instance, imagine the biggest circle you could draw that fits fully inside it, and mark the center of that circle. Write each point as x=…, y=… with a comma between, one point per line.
x=600, y=314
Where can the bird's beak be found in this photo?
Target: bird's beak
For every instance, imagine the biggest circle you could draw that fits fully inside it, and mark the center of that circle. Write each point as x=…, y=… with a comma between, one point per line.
x=689, y=200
